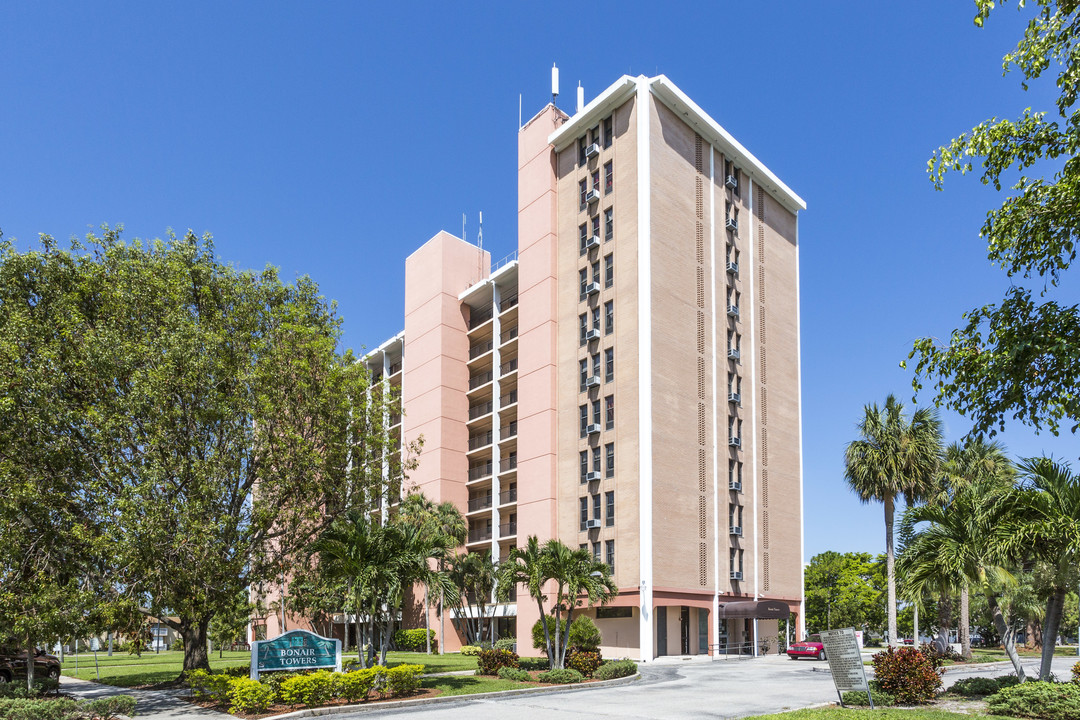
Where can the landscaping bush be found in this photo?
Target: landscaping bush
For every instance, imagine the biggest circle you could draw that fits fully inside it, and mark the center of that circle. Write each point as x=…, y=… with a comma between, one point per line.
x=247, y=695
x=237, y=671
x=318, y=688
x=208, y=686
x=516, y=674
x=506, y=643
x=25, y=709
x=947, y=654
x=273, y=681
x=402, y=680
x=881, y=698
x=1076, y=672
x=470, y=649
x=977, y=686
x=356, y=685
x=872, y=642
x=561, y=677
x=538, y=633
x=413, y=640
x=1044, y=700
x=615, y=669
x=534, y=663
x=18, y=690
x=584, y=661
x=907, y=674
x=489, y=661
x=584, y=635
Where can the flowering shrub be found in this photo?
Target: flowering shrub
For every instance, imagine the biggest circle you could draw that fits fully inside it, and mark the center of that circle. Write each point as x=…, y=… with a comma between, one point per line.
x=1076, y=672
x=585, y=662
x=907, y=674
x=489, y=661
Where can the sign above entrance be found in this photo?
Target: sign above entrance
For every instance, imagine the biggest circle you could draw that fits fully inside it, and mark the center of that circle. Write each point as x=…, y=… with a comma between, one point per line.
x=295, y=650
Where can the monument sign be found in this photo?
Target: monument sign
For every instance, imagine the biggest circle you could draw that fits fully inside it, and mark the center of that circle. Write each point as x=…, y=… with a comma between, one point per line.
x=845, y=662
x=295, y=650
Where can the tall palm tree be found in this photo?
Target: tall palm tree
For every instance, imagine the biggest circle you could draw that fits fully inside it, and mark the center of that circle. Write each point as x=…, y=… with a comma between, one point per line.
x=474, y=575
x=960, y=542
x=1046, y=521
x=528, y=566
x=894, y=456
x=577, y=573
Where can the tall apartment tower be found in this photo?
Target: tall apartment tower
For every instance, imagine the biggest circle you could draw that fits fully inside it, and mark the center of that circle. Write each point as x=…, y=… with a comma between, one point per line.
x=629, y=382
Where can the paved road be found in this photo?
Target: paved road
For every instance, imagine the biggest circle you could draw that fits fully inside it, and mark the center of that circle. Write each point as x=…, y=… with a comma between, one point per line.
x=148, y=703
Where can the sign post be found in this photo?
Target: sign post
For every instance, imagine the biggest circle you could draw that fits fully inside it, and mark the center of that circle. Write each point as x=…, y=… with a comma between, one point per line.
x=845, y=662
x=295, y=650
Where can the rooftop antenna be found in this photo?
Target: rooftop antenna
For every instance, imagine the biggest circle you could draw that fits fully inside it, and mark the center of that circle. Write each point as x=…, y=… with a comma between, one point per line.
x=554, y=83
x=463, y=235
x=580, y=97
x=480, y=233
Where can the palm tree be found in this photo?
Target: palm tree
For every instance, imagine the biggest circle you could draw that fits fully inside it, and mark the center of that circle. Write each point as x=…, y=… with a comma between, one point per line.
x=474, y=576
x=528, y=566
x=576, y=573
x=1046, y=522
x=894, y=456
x=960, y=544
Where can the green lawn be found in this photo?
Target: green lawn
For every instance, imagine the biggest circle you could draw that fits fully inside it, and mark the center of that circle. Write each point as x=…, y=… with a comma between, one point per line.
x=839, y=713
x=470, y=684
x=124, y=670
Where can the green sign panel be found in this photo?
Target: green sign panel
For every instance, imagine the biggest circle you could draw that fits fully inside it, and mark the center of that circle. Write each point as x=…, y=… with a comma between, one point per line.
x=295, y=650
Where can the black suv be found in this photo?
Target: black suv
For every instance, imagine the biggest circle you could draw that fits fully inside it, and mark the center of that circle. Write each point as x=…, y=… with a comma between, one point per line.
x=13, y=665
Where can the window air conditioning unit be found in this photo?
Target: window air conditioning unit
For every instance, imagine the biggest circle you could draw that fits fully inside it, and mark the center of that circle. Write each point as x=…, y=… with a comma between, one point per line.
x=592, y=476
x=734, y=397
x=592, y=288
x=592, y=381
x=735, y=485
x=733, y=311
x=593, y=334
x=733, y=354
x=733, y=267
x=731, y=181
x=592, y=196
x=732, y=224
x=736, y=530
x=592, y=151
x=592, y=242
x=733, y=441
x=736, y=575
x=591, y=524
x=593, y=429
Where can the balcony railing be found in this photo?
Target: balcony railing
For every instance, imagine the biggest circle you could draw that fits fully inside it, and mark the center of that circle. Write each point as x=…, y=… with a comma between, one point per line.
x=479, y=441
x=479, y=503
x=476, y=411
x=508, y=399
x=508, y=302
x=395, y=368
x=479, y=317
x=479, y=379
x=508, y=367
x=508, y=529
x=395, y=420
x=508, y=463
x=508, y=431
x=479, y=535
x=480, y=348
x=510, y=496
x=479, y=471
x=508, y=335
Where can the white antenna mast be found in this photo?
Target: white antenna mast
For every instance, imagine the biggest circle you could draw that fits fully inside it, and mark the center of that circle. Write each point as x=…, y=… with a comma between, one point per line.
x=480, y=232
x=554, y=83
x=580, y=97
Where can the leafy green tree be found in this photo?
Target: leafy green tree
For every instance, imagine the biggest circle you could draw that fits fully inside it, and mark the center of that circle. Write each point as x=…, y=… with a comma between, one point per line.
x=315, y=595
x=844, y=590
x=474, y=576
x=528, y=566
x=229, y=626
x=894, y=456
x=1018, y=358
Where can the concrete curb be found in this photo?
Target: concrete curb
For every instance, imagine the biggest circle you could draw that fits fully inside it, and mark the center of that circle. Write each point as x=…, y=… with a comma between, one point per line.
x=419, y=702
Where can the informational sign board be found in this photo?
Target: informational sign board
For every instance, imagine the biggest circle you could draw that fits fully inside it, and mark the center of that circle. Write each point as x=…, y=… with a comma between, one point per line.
x=845, y=661
x=295, y=650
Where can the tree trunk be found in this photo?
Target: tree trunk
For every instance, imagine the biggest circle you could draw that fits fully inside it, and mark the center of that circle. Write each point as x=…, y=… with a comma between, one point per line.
x=1008, y=635
x=427, y=619
x=890, y=570
x=915, y=622
x=547, y=633
x=194, y=634
x=965, y=623
x=944, y=615
x=30, y=656
x=442, y=622
x=356, y=622
x=1054, y=606
x=566, y=636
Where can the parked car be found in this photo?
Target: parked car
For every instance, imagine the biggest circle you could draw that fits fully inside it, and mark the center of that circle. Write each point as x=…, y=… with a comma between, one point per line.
x=811, y=647
x=13, y=665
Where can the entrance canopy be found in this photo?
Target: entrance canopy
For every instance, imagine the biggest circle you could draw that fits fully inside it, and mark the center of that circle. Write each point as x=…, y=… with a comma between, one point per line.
x=761, y=609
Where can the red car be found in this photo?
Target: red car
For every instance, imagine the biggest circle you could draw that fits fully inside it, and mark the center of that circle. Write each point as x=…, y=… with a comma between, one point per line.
x=810, y=647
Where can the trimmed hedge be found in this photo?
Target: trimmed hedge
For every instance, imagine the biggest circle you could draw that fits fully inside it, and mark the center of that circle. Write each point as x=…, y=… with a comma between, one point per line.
x=66, y=709
x=561, y=677
x=1044, y=700
x=881, y=698
x=19, y=691
x=251, y=696
x=980, y=686
x=615, y=669
x=470, y=649
x=413, y=639
x=516, y=674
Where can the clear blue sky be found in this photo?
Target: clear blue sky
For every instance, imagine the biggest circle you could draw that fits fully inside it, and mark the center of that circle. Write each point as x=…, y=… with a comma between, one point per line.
x=333, y=138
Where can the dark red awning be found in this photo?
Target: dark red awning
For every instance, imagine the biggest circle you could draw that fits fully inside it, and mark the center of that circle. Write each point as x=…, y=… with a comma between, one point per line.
x=761, y=609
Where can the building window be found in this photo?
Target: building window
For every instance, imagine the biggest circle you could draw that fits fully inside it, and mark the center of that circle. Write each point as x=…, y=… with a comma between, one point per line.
x=596, y=180
x=596, y=459
x=596, y=551
x=594, y=134
x=609, y=365
x=609, y=454
x=583, y=188
x=596, y=506
x=609, y=224
x=609, y=317
x=584, y=363
x=609, y=503
x=584, y=505
x=735, y=559
x=734, y=474
x=610, y=547
x=734, y=384
x=608, y=132
x=583, y=276
x=582, y=143
x=735, y=515
x=584, y=464
x=583, y=546
x=609, y=177
x=609, y=270
x=596, y=225
x=584, y=319
x=584, y=419
x=584, y=230
x=596, y=318
x=596, y=411
x=596, y=272
x=609, y=411
x=596, y=365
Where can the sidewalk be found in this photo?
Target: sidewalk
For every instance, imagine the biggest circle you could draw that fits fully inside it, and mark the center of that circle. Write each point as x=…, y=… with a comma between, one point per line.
x=156, y=704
